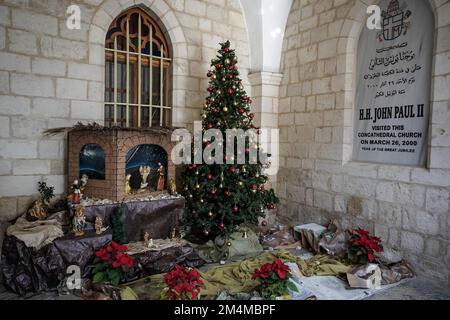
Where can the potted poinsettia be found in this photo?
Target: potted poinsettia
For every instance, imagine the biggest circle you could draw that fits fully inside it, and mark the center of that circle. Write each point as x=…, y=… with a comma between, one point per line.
x=112, y=264
x=182, y=284
x=274, y=280
x=362, y=247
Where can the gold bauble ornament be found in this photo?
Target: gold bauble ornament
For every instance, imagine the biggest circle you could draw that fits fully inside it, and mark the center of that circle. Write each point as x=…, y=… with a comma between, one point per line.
x=197, y=173
x=240, y=183
x=214, y=76
x=229, y=244
x=225, y=109
x=210, y=214
x=197, y=186
x=206, y=232
x=235, y=104
x=227, y=61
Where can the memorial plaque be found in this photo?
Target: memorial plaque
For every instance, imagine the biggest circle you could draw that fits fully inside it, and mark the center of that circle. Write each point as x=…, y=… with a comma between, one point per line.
x=393, y=85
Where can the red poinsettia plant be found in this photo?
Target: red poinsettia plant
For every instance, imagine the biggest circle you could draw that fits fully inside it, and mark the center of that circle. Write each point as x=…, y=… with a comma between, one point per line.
x=182, y=284
x=274, y=278
x=362, y=246
x=112, y=264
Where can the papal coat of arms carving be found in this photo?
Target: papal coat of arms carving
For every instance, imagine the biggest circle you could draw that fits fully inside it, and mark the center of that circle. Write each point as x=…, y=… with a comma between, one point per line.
x=395, y=22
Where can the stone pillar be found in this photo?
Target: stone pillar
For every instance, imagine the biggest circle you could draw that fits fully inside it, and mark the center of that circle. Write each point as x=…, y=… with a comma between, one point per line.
x=265, y=96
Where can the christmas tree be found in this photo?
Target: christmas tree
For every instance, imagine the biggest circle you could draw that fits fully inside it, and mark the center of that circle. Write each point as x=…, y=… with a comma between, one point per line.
x=225, y=194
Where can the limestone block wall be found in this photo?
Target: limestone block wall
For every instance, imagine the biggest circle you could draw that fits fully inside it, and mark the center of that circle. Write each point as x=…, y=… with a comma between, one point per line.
x=51, y=77
x=408, y=207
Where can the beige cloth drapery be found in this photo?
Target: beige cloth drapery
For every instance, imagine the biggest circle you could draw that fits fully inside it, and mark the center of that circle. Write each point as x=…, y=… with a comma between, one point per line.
x=35, y=234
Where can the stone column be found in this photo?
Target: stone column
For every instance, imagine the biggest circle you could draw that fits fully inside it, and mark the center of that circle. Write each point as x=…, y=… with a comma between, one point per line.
x=265, y=96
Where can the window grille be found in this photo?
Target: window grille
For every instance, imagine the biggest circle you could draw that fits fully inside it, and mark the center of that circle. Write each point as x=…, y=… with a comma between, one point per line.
x=137, y=72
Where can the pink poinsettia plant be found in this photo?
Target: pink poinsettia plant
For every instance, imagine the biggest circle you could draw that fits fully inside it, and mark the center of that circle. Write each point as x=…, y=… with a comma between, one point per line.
x=274, y=279
x=362, y=246
x=182, y=284
x=112, y=264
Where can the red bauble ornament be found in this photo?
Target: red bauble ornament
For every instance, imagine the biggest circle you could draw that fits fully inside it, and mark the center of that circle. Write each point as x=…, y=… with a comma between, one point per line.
x=250, y=101
x=216, y=110
x=218, y=66
x=213, y=191
x=254, y=187
x=226, y=50
x=221, y=226
x=234, y=67
x=230, y=91
x=209, y=176
x=241, y=111
x=249, y=126
x=210, y=125
x=227, y=193
x=235, y=209
x=264, y=223
x=251, y=115
x=232, y=169
x=209, y=74
x=229, y=76
x=194, y=166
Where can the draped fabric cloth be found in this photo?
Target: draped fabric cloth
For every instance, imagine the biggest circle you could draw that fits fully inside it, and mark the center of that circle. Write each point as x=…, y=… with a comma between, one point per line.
x=35, y=234
x=237, y=277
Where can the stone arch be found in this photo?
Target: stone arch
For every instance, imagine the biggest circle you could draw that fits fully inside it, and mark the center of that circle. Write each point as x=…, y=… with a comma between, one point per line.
x=349, y=34
x=108, y=10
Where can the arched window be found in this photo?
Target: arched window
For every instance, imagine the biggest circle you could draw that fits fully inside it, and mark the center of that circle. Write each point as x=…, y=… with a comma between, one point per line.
x=137, y=76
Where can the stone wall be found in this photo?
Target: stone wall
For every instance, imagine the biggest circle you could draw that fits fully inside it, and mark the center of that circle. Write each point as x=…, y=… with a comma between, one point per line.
x=408, y=207
x=51, y=77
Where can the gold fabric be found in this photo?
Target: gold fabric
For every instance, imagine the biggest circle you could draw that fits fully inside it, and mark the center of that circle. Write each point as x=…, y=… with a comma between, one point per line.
x=237, y=277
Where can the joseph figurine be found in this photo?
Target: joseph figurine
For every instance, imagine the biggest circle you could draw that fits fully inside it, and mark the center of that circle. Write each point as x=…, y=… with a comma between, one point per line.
x=160, y=186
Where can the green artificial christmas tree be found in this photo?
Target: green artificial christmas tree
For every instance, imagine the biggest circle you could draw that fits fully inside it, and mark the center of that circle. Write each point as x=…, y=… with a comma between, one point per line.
x=222, y=196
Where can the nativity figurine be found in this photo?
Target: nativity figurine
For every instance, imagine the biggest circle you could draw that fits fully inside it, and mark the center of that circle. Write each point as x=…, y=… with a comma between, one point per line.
x=98, y=225
x=84, y=180
x=76, y=192
x=160, y=184
x=127, y=184
x=79, y=221
x=146, y=239
x=172, y=187
x=144, y=171
x=36, y=211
